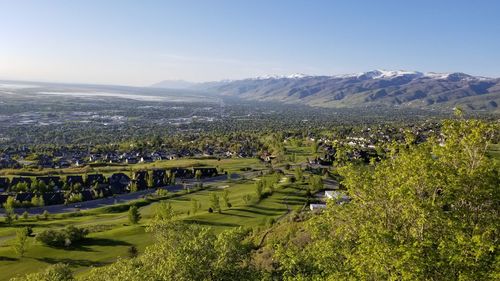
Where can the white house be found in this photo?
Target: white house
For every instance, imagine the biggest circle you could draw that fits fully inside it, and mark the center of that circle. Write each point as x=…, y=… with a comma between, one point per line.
x=317, y=207
x=337, y=196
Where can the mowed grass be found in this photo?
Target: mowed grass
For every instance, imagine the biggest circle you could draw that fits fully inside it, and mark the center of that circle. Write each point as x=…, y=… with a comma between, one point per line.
x=115, y=235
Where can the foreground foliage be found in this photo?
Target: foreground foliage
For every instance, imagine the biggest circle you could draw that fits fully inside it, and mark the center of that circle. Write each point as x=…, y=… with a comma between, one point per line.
x=184, y=252
x=429, y=212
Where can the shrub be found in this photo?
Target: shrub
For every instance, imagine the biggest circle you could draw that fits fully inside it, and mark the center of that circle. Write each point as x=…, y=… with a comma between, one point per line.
x=132, y=251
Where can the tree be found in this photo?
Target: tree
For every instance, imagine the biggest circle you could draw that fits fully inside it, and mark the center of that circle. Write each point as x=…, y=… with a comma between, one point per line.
x=429, y=208
x=167, y=178
x=315, y=147
x=133, y=215
x=246, y=198
x=315, y=183
x=21, y=241
x=9, y=209
x=225, y=198
x=37, y=201
x=132, y=251
x=299, y=175
x=9, y=205
x=151, y=182
x=25, y=215
x=45, y=215
x=198, y=175
x=63, y=237
x=133, y=186
x=214, y=202
x=259, y=186
x=8, y=218
x=164, y=211
x=195, y=205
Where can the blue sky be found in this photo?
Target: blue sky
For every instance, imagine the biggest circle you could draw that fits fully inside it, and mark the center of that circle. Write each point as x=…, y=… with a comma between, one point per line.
x=142, y=42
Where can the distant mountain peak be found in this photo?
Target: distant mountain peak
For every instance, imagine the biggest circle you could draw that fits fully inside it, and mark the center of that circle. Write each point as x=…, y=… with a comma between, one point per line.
x=289, y=76
x=174, y=84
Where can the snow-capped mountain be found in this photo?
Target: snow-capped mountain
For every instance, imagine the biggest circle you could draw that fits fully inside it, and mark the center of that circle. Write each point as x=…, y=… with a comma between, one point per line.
x=290, y=76
x=372, y=88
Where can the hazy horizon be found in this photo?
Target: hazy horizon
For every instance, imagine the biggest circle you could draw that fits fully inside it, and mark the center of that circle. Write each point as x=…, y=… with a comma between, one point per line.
x=142, y=43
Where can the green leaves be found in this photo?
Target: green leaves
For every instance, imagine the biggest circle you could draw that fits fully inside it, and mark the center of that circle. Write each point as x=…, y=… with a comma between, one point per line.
x=427, y=212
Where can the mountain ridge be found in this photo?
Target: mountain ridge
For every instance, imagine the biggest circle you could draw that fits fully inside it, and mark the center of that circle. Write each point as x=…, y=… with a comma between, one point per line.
x=368, y=89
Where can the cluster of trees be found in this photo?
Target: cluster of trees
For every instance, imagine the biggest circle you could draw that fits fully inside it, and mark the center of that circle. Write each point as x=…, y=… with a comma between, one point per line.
x=266, y=186
x=215, y=199
x=69, y=236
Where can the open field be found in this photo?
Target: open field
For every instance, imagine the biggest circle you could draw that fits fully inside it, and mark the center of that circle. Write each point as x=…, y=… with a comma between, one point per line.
x=113, y=235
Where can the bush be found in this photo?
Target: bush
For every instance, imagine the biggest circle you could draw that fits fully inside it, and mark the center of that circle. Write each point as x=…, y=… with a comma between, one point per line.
x=65, y=237
x=210, y=210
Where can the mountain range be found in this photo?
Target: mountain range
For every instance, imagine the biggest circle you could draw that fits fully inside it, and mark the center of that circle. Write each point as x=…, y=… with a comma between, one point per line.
x=367, y=89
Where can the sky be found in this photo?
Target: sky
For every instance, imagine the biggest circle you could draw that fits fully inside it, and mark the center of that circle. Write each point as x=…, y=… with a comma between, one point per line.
x=143, y=42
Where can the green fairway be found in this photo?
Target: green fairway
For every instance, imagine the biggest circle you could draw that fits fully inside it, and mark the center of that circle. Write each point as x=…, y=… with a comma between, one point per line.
x=112, y=235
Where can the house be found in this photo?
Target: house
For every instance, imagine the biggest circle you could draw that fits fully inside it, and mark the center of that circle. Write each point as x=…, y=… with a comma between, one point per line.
x=45, y=162
x=87, y=195
x=159, y=177
x=317, y=207
x=156, y=156
x=78, y=162
x=72, y=180
x=131, y=160
x=92, y=179
x=53, y=198
x=3, y=199
x=4, y=184
x=338, y=196
x=182, y=173
x=63, y=164
x=119, y=183
x=206, y=172
x=94, y=157
x=24, y=196
x=146, y=159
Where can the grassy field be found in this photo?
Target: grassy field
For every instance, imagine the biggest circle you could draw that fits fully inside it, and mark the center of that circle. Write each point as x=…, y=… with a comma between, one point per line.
x=113, y=235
